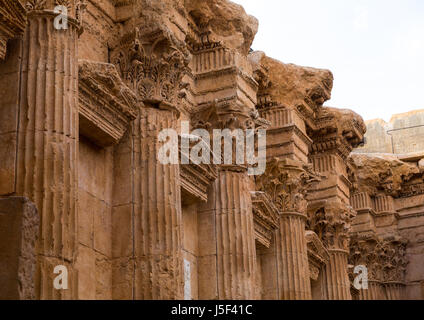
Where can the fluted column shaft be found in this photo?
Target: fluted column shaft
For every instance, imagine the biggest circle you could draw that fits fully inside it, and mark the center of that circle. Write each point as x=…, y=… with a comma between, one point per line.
x=236, y=255
x=336, y=280
x=157, y=208
x=226, y=239
x=375, y=291
x=394, y=290
x=48, y=144
x=292, y=258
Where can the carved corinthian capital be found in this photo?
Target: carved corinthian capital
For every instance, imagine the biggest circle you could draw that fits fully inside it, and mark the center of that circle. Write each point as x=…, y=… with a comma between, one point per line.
x=331, y=220
x=153, y=65
x=394, y=260
x=367, y=252
x=287, y=181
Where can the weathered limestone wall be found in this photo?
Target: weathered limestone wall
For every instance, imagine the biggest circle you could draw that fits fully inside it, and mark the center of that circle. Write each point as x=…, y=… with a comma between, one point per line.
x=401, y=135
x=19, y=224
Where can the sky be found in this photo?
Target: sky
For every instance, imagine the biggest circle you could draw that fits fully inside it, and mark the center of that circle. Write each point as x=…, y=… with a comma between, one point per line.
x=375, y=48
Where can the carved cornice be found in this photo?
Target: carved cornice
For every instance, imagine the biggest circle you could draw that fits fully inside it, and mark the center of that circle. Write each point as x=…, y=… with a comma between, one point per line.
x=107, y=105
x=331, y=221
x=337, y=130
x=153, y=64
x=196, y=178
x=317, y=254
x=286, y=182
x=12, y=23
x=265, y=217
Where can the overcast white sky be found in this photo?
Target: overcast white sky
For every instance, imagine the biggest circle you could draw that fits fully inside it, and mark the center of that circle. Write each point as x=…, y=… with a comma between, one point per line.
x=375, y=48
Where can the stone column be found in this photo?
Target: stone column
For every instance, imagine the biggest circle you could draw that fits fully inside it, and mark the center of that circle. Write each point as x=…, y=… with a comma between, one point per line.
x=292, y=258
x=48, y=140
x=286, y=182
x=157, y=212
x=227, y=266
x=236, y=255
x=330, y=220
x=375, y=291
x=336, y=281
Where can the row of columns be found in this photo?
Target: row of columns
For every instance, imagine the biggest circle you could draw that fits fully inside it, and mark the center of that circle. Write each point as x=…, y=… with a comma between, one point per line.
x=47, y=174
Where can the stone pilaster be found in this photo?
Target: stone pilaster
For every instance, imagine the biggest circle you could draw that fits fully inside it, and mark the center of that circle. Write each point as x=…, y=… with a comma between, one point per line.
x=48, y=140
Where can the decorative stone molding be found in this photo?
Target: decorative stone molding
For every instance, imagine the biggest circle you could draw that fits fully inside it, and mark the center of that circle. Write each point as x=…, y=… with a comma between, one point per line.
x=338, y=131
x=107, y=105
x=394, y=259
x=12, y=23
x=196, y=178
x=331, y=221
x=286, y=182
x=385, y=258
x=367, y=251
x=265, y=218
x=318, y=255
x=153, y=65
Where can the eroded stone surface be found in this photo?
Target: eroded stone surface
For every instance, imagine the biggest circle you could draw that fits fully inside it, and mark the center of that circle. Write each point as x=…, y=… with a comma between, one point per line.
x=80, y=139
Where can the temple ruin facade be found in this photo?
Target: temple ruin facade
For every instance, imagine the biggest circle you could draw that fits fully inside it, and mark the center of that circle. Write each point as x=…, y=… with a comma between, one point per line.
x=86, y=88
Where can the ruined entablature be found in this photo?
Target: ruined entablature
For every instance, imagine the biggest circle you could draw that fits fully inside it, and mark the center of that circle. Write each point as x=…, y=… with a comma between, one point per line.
x=153, y=65
x=224, y=22
x=337, y=130
x=386, y=175
x=318, y=255
x=12, y=23
x=107, y=105
x=331, y=221
x=265, y=218
x=287, y=85
x=286, y=182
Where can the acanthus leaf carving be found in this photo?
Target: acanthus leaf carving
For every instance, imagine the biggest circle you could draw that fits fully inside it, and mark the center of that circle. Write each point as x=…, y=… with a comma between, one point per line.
x=287, y=181
x=331, y=221
x=153, y=65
